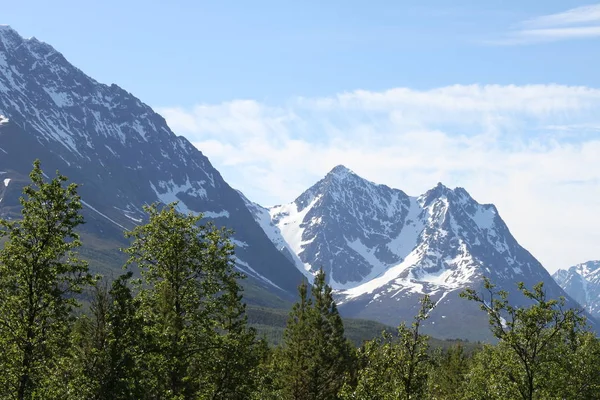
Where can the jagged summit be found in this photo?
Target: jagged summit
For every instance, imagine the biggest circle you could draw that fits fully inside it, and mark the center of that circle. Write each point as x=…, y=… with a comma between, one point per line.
x=341, y=171
x=11, y=39
x=582, y=282
x=382, y=249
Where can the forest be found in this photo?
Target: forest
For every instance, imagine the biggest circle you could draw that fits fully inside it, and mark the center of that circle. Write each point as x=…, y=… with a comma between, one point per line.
x=174, y=326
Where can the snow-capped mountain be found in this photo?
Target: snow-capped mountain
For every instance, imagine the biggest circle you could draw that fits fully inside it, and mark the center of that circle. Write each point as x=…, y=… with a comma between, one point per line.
x=121, y=152
x=382, y=249
x=582, y=283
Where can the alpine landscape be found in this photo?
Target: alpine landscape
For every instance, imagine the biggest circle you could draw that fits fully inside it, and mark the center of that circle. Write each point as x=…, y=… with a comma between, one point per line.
x=348, y=289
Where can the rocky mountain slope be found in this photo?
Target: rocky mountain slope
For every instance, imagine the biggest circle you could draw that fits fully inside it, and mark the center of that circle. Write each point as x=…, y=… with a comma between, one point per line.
x=121, y=152
x=382, y=250
x=582, y=283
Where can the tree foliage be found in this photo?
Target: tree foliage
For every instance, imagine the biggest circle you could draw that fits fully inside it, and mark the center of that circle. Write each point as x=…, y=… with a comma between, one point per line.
x=39, y=275
x=315, y=358
x=105, y=345
x=180, y=331
x=194, y=332
x=395, y=367
x=532, y=340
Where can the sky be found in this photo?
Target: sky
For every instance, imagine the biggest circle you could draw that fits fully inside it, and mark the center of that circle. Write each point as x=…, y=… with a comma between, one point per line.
x=499, y=97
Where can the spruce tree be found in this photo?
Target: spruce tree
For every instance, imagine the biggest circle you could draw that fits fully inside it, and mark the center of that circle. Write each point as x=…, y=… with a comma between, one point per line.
x=315, y=358
x=450, y=366
x=106, y=345
x=39, y=275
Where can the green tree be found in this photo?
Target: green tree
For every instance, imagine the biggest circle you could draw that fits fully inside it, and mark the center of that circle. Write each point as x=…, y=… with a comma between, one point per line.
x=315, y=358
x=105, y=345
x=530, y=339
x=235, y=358
x=577, y=376
x=449, y=369
x=189, y=307
x=395, y=368
x=39, y=274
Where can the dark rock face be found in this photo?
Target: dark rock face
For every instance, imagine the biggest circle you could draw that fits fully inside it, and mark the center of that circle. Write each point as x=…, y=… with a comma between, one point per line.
x=382, y=250
x=582, y=283
x=121, y=152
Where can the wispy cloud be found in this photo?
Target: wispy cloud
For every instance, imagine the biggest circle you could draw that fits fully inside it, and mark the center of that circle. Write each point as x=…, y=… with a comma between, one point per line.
x=574, y=16
x=514, y=146
x=576, y=23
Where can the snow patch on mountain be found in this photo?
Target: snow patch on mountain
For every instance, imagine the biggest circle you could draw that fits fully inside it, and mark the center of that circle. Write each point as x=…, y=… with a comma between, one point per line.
x=582, y=283
x=290, y=220
x=213, y=215
x=168, y=191
x=263, y=217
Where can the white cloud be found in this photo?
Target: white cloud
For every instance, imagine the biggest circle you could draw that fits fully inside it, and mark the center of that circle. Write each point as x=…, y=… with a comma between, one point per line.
x=576, y=23
x=573, y=16
x=532, y=150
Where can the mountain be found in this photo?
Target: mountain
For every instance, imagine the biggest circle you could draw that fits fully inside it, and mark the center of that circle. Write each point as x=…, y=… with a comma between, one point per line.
x=582, y=283
x=122, y=154
x=383, y=249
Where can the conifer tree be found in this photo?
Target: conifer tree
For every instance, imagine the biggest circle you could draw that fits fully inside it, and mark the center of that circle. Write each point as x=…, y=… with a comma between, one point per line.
x=105, y=345
x=315, y=358
x=39, y=275
x=448, y=373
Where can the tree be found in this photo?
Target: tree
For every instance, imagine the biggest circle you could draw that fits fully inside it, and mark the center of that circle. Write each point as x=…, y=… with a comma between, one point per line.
x=577, y=376
x=105, y=345
x=449, y=369
x=315, y=358
x=39, y=275
x=234, y=360
x=529, y=339
x=394, y=368
x=189, y=306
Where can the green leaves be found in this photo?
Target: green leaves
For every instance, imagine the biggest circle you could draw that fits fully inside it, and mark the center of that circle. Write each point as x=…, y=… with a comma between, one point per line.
x=180, y=332
x=395, y=367
x=39, y=274
x=195, y=340
x=315, y=359
x=531, y=339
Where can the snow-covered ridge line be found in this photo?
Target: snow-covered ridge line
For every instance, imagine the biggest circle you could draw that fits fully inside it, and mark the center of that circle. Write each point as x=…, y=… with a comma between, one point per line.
x=371, y=238
x=582, y=283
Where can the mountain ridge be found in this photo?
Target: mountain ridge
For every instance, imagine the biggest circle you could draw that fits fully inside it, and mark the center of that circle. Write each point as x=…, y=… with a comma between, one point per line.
x=582, y=283
x=121, y=152
x=383, y=249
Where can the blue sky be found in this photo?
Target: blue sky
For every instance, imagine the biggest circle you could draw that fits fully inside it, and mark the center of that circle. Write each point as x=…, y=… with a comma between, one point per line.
x=183, y=52
x=499, y=97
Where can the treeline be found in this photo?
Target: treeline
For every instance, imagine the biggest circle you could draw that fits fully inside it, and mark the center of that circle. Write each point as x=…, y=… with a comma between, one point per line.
x=180, y=331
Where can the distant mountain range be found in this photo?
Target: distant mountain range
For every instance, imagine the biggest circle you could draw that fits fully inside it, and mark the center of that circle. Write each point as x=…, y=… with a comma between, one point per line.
x=582, y=283
x=381, y=248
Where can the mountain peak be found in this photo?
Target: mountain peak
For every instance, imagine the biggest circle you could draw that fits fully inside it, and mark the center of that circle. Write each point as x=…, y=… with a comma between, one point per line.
x=340, y=172
x=7, y=28
x=9, y=37
x=582, y=283
x=12, y=40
